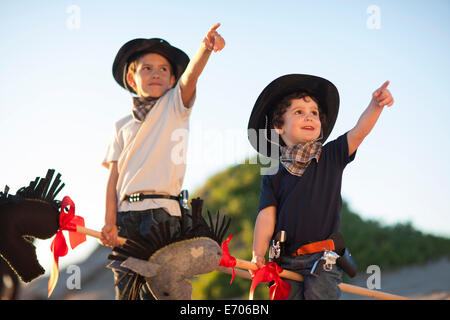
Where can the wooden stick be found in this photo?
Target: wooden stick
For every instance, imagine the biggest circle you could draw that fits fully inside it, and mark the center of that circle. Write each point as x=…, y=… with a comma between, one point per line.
x=343, y=286
x=243, y=264
x=370, y=293
x=239, y=272
x=96, y=234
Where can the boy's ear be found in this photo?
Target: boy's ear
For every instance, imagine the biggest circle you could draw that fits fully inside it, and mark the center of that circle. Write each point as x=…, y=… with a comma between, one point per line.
x=280, y=131
x=172, y=80
x=130, y=80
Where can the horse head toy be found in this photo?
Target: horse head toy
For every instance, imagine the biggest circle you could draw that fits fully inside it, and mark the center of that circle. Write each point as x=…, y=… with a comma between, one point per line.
x=31, y=213
x=163, y=261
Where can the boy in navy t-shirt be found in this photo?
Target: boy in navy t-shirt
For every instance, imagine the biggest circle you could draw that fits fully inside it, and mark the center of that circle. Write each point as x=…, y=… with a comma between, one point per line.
x=303, y=197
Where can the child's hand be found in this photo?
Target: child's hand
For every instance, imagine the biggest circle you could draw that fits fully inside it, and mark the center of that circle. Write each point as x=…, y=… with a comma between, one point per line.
x=109, y=235
x=213, y=40
x=383, y=96
x=259, y=261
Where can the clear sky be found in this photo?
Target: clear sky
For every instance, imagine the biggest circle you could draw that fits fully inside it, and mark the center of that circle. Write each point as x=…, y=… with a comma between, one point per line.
x=58, y=99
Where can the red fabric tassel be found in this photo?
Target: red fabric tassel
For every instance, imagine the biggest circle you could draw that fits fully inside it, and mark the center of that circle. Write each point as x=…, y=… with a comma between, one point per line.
x=271, y=272
x=67, y=221
x=227, y=259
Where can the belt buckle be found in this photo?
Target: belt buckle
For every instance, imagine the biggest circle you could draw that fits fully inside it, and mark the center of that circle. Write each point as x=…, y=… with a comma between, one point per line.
x=183, y=199
x=134, y=197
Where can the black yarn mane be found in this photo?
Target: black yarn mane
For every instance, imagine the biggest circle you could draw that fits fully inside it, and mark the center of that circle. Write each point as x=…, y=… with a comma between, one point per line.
x=41, y=189
x=159, y=236
x=191, y=226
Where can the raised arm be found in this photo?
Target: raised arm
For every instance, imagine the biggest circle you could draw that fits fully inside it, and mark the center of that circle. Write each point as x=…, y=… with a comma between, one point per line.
x=380, y=98
x=213, y=41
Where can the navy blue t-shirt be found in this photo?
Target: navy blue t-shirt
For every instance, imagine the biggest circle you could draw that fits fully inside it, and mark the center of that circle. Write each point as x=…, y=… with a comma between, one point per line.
x=308, y=207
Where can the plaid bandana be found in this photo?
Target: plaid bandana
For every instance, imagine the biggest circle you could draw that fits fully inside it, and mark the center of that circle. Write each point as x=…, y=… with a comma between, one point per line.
x=297, y=158
x=141, y=106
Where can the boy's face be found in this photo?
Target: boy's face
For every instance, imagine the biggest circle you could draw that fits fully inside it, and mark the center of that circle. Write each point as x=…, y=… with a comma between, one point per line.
x=153, y=76
x=301, y=122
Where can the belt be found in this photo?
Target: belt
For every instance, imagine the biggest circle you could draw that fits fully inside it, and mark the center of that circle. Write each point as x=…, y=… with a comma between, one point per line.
x=135, y=197
x=315, y=247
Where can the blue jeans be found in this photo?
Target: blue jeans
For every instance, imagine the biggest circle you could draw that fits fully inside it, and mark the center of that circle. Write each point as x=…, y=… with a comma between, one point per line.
x=321, y=287
x=131, y=224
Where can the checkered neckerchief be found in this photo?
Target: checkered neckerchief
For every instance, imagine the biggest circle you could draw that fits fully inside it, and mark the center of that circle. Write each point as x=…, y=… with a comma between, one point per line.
x=297, y=158
x=141, y=106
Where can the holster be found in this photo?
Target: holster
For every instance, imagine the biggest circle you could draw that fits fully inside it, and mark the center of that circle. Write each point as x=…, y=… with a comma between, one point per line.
x=346, y=262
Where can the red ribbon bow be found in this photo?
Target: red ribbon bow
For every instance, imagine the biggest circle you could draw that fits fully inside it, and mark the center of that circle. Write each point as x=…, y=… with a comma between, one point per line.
x=227, y=259
x=271, y=272
x=67, y=221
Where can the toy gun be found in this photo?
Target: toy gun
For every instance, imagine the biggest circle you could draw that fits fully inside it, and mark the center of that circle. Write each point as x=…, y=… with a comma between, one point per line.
x=340, y=256
x=326, y=261
x=277, y=247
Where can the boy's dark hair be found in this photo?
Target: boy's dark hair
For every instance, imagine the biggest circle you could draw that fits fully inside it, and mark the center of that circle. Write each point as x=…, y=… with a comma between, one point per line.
x=284, y=104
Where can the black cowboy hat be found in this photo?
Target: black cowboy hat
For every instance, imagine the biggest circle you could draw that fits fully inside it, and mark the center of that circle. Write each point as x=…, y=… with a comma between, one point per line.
x=133, y=49
x=261, y=117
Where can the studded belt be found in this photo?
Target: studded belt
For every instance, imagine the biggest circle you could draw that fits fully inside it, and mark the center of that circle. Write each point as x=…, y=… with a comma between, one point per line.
x=136, y=197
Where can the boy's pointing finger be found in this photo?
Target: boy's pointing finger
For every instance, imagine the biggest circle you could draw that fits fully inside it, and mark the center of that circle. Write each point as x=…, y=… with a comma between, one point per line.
x=214, y=27
x=381, y=89
x=384, y=86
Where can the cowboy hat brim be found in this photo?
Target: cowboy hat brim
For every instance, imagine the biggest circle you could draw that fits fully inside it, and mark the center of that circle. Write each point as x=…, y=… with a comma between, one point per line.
x=260, y=122
x=136, y=47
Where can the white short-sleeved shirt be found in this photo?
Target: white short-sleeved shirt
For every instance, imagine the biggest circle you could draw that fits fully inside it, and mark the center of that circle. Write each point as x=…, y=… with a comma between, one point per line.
x=151, y=156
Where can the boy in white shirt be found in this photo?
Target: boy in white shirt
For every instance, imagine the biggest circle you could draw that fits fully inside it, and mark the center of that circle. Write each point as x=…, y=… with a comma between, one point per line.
x=144, y=180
